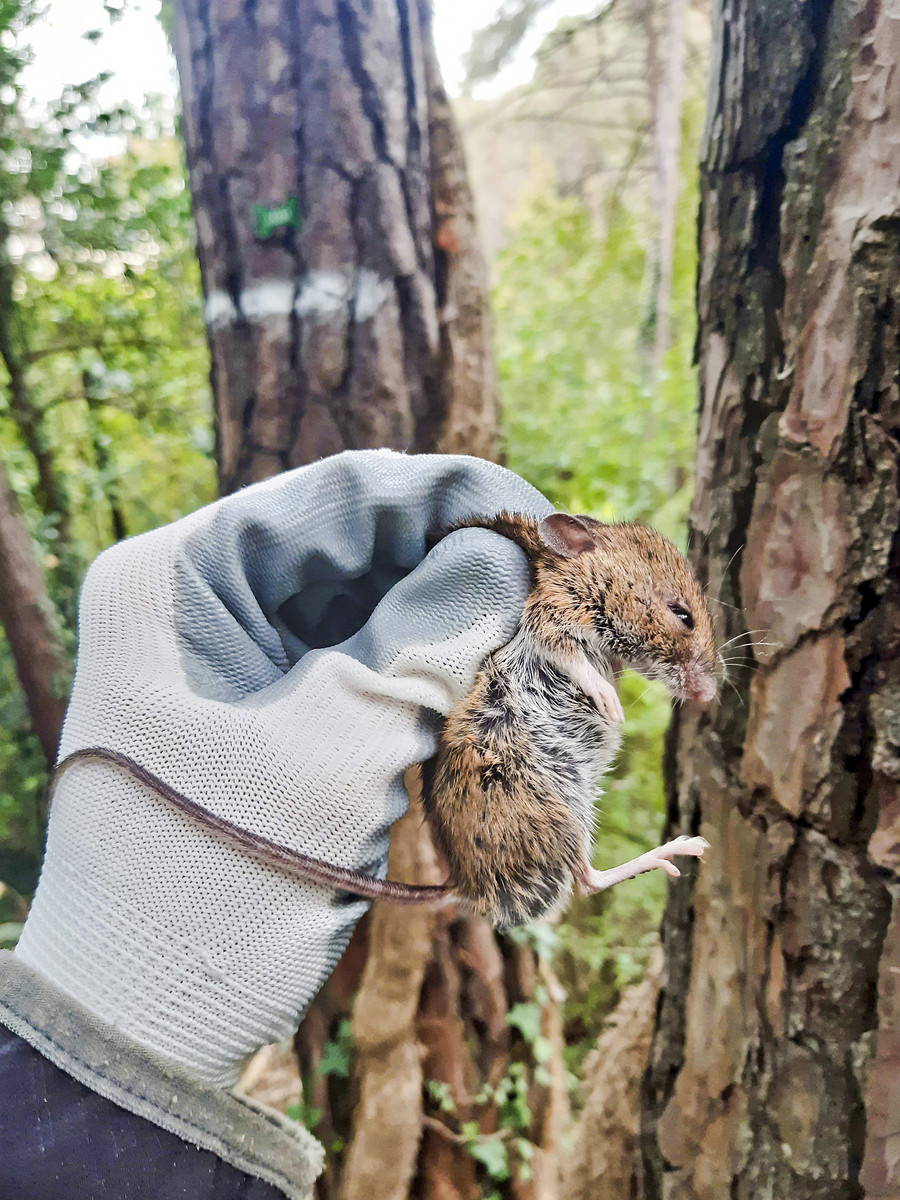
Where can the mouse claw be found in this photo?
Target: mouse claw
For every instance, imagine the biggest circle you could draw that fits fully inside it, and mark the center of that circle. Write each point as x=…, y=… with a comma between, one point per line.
x=685, y=844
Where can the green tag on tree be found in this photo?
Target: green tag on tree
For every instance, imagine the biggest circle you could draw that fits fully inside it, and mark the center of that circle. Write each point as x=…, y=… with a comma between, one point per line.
x=283, y=216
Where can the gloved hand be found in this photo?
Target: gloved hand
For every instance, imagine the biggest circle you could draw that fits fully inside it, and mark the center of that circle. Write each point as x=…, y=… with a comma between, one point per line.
x=280, y=657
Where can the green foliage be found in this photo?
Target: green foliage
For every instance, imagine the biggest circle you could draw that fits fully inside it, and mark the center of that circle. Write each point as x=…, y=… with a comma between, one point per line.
x=116, y=347
x=507, y=1149
x=526, y=1017
x=578, y=421
x=588, y=424
x=100, y=315
x=440, y=1095
x=336, y=1052
x=307, y=1114
x=489, y=1151
x=334, y=1064
x=10, y=932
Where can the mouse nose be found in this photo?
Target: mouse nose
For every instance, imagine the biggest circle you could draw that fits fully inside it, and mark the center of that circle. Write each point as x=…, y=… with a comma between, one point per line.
x=699, y=684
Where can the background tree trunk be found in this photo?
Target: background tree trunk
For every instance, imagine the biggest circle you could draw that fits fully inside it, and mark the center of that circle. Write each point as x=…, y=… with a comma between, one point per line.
x=27, y=617
x=27, y=613
x=774, y=1069
x=344, y=291
x=605, y=1162
x=346, y=307
x=666, y=116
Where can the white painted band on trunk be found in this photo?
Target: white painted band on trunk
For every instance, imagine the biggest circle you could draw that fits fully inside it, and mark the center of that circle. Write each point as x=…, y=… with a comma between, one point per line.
x=219, y=309
x=324, y=294
x=371, y=293
x=321, y=296
x=268, y=298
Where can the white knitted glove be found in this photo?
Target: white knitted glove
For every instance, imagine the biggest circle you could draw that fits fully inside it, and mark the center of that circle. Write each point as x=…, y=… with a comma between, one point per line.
x=280, y=657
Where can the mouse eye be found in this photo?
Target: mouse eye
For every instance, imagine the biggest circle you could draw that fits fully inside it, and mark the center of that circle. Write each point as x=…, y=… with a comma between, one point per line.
x=683, y=614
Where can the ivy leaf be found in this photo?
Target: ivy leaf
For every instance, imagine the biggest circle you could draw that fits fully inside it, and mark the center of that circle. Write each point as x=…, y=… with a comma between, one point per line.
x=526, y=1017
x=491, y=1153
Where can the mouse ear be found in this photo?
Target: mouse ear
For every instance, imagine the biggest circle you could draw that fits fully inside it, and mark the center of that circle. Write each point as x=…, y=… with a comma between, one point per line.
x=566, y=535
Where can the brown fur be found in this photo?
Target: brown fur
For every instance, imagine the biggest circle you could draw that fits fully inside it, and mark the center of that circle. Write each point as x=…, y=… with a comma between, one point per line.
x=510, y=797
x=634, y=571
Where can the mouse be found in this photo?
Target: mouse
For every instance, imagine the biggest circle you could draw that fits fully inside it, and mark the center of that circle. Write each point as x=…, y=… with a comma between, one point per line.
x=510, y=796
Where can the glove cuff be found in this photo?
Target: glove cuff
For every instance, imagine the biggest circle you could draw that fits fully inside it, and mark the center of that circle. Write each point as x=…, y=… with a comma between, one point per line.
x=261, y=1143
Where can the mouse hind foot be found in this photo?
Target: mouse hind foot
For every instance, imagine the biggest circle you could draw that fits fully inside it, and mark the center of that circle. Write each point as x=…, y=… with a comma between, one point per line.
x=660, y=858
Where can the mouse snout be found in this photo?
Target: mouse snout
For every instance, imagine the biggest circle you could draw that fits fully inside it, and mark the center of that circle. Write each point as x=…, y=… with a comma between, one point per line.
x=699, y=681
x=701, y=687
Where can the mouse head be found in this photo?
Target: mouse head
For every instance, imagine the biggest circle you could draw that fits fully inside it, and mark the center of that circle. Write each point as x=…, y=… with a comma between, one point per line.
x=624, y=591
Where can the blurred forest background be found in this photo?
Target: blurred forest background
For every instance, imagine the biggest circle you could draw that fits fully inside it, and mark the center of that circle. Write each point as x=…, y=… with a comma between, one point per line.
x=105, y=417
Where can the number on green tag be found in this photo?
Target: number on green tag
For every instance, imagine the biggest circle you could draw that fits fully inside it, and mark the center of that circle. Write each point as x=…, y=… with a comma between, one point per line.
x=282, y=216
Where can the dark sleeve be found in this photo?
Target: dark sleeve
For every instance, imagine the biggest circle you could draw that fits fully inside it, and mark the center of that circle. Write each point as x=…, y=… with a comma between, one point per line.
x=61, y=1141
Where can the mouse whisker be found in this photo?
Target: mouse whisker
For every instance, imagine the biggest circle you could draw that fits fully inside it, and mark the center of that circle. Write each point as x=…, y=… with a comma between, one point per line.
x=728, y=565
x=744, y=653
x=737, y=693
x=724, y=604
x=748, y=633
x=744, y=650
x=639, y=698
x=733, y=557
x=700, y=545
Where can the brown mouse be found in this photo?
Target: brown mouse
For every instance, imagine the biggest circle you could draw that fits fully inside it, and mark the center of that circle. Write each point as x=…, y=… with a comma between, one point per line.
x=510, y=795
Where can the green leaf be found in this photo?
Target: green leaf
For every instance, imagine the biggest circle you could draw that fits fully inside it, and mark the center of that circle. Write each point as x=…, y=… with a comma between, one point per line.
x=491, y=1153
x=542, y=1049
x=440, y=1093
x=526, y=1017
x=335, y=1058
x=10, y=932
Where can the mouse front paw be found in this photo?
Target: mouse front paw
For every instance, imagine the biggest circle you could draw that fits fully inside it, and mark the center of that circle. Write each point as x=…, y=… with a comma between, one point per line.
x=598, y=689
x=606, y=699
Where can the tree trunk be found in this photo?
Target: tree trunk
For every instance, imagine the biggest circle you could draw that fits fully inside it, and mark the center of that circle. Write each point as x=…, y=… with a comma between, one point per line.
x=605, y=1162
x=774, y=1068
x=666, y=46
x=346, y=307
x=106, y=473
x=51, y=491
x=666, y=147
x=345, y=298
x=26, y=614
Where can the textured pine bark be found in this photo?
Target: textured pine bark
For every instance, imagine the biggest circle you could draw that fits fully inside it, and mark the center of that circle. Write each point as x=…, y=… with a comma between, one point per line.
x=345, y=297
x=774, y=1070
